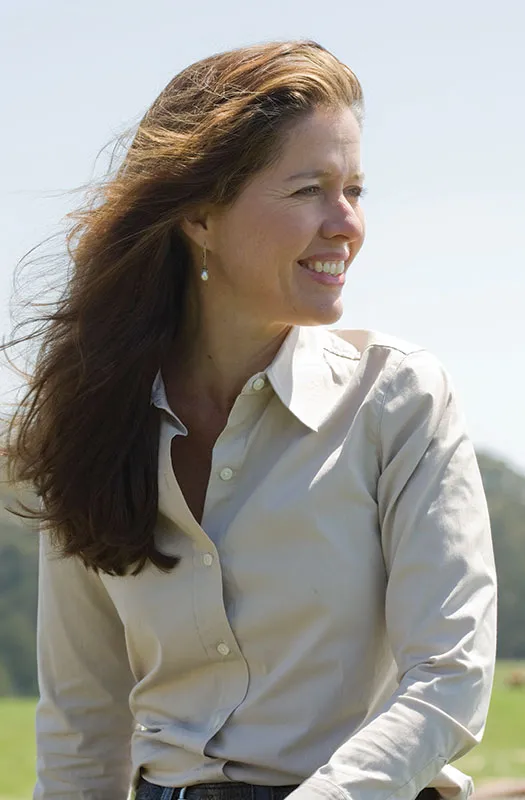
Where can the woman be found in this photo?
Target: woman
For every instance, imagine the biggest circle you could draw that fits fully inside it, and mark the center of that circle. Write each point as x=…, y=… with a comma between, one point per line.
x=268, y=561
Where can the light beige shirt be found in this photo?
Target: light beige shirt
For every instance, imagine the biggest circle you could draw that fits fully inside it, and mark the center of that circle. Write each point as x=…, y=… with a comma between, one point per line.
x=332, y=621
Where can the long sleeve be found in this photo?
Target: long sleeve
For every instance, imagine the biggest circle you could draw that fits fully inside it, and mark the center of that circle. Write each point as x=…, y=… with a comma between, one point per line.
x=440, y=599
x=83, y=721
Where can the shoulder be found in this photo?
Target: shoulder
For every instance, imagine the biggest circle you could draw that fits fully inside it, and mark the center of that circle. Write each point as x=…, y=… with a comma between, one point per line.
x=412, y=393
x=400, y=369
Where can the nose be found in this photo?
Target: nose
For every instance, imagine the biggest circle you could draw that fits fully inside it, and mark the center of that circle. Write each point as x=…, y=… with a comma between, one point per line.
x=343, y=218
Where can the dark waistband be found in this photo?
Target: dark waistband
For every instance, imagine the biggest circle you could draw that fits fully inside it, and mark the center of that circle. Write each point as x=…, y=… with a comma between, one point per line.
x=227, y=790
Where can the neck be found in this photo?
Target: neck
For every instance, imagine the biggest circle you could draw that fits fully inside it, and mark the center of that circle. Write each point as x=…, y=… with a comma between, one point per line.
x=210, y=366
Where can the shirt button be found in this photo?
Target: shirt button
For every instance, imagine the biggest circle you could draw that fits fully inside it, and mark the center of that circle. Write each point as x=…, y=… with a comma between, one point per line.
x=226, y=474
x=223, y=649
x=207, y=559
x=258, y=384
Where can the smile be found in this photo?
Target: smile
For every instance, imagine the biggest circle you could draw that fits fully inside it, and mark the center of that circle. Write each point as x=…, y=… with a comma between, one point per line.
x=321, y=272
x=328, y=267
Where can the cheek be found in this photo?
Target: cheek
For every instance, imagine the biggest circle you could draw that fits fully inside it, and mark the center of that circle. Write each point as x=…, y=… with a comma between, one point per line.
x=268, y=234
x=288, y=231
x=250, y=229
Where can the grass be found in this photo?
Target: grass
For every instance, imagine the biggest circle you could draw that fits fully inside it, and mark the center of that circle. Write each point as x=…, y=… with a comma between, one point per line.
x=17, y=748
x=500, y=755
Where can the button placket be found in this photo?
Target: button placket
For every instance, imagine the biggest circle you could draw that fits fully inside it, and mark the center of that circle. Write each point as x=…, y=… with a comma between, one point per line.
x=231, y=447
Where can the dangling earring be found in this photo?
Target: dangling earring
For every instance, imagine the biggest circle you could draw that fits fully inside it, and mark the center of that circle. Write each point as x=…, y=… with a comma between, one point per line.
x=204, y=270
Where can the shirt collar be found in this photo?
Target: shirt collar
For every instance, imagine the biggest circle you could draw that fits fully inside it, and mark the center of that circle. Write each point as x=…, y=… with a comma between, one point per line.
x=159, y=399
x=306, y=381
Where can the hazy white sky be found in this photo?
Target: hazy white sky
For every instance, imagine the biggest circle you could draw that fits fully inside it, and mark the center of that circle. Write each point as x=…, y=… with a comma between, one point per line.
x=443, y=263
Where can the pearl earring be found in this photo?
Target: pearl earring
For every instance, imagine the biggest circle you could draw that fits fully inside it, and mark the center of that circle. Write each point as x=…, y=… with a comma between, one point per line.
x=204, y=270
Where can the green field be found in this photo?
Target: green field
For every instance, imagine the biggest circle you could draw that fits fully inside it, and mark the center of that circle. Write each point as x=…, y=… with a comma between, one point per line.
x=17, y=749
x=500, y=755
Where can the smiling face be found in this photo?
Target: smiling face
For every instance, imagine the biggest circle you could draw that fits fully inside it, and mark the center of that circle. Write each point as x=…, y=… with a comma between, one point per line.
x=303, y=209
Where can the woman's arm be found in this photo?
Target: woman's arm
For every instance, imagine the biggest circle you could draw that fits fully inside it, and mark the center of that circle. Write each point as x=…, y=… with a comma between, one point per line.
x=440, y=599
x=83, y=721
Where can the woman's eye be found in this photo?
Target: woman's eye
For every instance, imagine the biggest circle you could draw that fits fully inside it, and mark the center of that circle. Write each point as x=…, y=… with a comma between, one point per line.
x=357, y=191
x=354, y=191
x=307, y=189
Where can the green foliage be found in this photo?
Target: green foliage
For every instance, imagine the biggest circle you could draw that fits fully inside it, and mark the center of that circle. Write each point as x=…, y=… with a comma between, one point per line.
x=18, y=601
x=505, y=490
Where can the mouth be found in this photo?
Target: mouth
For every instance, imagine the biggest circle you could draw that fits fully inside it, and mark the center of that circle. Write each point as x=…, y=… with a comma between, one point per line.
x=327, y=273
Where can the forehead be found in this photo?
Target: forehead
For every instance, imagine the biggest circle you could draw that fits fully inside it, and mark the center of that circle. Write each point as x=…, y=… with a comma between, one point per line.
x=326, y=139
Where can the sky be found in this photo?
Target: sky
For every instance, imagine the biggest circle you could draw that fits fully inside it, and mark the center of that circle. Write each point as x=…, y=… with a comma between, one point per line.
x=443, y=265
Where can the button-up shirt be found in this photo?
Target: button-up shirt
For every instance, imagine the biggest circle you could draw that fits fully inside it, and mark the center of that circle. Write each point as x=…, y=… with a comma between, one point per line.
x=331, y=622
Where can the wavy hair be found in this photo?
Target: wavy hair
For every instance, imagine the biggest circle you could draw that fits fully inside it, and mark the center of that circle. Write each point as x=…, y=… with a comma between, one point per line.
x=85, y=434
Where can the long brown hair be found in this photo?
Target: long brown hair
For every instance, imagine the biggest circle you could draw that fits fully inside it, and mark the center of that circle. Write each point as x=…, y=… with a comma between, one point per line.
x=85, y=434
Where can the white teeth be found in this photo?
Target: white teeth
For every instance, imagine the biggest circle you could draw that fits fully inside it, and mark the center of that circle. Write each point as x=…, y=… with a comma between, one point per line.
x=329, y=267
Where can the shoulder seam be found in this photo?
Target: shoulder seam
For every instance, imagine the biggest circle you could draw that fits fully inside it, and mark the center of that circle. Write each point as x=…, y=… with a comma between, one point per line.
x=335, y=352
x=359, y=354
x=416, y=349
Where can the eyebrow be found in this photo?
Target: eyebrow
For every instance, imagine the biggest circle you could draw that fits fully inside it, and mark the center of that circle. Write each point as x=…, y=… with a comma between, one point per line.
x=320, y=173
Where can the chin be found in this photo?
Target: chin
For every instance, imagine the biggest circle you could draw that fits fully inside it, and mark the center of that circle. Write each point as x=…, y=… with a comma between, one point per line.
x=326, y=315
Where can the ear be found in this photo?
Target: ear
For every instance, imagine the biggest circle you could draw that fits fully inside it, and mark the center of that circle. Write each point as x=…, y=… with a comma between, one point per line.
x=197, y=226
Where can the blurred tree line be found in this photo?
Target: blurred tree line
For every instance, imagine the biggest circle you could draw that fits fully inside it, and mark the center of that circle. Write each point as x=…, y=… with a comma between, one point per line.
x=505, y=491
